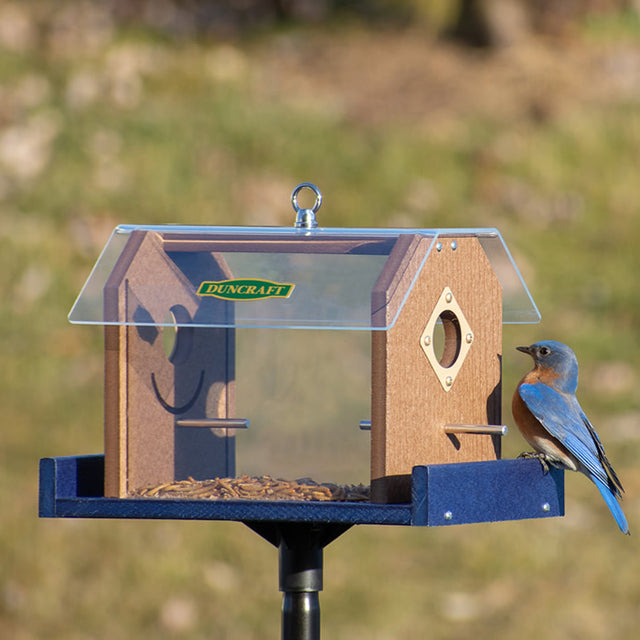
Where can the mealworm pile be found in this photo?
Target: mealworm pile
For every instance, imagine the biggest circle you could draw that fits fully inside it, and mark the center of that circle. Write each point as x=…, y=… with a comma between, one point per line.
x=256, y=488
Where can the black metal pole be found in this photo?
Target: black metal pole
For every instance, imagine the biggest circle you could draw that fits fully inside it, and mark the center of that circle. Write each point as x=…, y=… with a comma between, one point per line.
x=300, y=582
x=300, y=546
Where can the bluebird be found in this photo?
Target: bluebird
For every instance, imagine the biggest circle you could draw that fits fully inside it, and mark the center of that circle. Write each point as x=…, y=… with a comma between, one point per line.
x=552, y=421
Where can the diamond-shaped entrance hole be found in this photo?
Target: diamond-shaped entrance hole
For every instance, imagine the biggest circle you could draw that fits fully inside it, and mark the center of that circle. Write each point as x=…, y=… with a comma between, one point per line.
x=446, y=339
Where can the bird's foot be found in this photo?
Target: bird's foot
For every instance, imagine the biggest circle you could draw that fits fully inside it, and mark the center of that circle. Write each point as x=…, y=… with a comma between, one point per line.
x=540, y=456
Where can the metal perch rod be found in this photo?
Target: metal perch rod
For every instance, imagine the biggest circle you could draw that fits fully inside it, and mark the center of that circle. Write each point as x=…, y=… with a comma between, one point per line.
x=478, y=429
x=214, y=423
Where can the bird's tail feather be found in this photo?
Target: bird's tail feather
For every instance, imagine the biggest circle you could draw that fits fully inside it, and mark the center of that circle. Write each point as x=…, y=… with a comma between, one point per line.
x=613, y=504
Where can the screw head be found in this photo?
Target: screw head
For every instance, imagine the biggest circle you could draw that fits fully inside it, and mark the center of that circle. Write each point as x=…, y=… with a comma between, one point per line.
x=546, y=507
x=448, y=515
x=427, y=341
x=469, y=338
x=448, y=381
x=448, y=297
x=454, y=245
x=439, y=246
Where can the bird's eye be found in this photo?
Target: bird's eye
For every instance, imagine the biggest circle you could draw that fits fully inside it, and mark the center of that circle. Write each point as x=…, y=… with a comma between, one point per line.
x=544, y=351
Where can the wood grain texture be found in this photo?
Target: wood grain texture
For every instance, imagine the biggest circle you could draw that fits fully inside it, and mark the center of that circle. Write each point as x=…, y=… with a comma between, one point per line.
x=409, y=405
x=146, y=390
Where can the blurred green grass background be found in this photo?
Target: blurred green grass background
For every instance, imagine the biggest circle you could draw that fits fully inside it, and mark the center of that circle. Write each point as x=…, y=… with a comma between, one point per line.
x=104, y=123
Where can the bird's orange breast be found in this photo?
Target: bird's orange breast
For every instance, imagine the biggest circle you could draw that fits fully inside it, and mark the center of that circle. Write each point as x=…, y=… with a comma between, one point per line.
x=536, y=435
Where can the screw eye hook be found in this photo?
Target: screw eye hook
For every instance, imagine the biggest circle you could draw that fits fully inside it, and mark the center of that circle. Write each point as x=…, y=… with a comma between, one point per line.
x=306, y=218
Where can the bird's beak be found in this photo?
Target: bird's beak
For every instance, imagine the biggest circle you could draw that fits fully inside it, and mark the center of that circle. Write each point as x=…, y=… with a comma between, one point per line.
x=524, y=349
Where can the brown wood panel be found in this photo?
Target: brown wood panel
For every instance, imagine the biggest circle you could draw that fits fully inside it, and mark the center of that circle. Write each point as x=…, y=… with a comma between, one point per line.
x=146, y=390
x=115, y=374
x=409, y=405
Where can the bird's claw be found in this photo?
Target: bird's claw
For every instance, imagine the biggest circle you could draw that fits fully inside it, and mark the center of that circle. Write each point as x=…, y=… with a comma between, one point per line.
x=540, y=456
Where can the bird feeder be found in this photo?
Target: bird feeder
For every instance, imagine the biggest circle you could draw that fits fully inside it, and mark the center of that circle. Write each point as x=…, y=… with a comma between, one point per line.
x=188, y=314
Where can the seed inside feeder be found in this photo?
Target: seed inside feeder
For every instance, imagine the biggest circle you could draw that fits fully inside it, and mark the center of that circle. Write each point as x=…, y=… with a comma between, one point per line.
x=256, y=488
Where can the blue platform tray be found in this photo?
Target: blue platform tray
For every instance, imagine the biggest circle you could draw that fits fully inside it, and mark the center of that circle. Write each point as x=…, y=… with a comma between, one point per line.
x=445, y=494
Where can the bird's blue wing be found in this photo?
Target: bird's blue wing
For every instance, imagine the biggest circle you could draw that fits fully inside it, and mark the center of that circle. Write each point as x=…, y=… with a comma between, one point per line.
x=614, y=482
x=561, y=415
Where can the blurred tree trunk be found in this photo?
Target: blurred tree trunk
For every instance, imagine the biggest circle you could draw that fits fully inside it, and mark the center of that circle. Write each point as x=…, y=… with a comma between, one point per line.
x=490, y=23
x=495, y=23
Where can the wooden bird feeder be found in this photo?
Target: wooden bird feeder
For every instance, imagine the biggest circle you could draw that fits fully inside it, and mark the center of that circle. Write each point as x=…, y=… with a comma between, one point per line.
x=432, y=300
x=187, y=401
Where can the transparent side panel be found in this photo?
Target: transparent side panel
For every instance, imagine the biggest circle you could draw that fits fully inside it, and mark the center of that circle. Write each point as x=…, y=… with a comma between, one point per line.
x=305, y=394
x=328, y=290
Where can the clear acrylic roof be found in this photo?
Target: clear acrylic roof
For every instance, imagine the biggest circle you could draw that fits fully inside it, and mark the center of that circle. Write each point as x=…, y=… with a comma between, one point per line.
x=263, y=277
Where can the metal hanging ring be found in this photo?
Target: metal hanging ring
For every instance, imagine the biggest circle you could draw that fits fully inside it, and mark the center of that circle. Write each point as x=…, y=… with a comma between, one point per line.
x=306, y=185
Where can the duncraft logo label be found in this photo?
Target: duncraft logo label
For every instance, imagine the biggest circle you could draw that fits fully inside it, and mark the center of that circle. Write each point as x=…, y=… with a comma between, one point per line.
x=246, y=289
